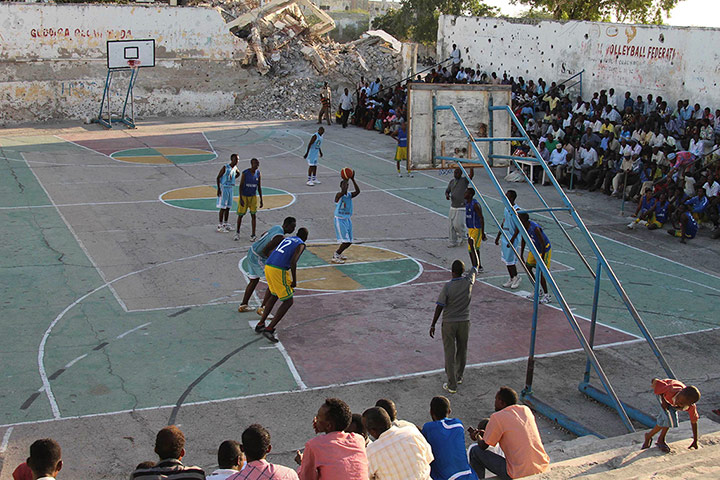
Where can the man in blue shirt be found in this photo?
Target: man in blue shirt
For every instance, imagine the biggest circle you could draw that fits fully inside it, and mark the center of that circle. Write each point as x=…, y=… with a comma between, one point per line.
x=688, y=225
x=257, y=256
x=544, y=248
x=400, y=135
x=250, y=188
x=281, y=276
x=343, y=224
x=446, y=436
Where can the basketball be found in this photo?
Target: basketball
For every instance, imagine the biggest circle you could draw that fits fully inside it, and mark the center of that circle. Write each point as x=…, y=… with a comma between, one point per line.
x=347, y=173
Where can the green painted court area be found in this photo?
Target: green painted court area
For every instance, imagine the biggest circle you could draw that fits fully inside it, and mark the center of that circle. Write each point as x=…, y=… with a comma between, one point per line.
x=148, y=322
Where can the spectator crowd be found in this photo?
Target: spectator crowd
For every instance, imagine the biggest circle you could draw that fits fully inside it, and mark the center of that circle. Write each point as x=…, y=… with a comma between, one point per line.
x=620, y=145
x=374, y=445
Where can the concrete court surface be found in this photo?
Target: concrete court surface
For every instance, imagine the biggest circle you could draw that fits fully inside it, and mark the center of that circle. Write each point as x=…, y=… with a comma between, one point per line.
x=119, y=297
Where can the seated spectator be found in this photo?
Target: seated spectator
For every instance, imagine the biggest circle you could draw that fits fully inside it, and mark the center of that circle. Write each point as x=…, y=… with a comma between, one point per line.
x=230, y=460
x=558, y=160
x=170, y=448
x=22, y=472
x=356, y=426
x=335, y=455
x=256, y=445
x=396, y=453
x=698, y=203
x=513, y=427
x=391, y=410
x=45, y=460
x=446, y=436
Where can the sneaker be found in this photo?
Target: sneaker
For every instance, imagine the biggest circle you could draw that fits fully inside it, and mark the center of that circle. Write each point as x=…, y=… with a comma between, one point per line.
x=399, y=174
x=261, y=310
x=460, y=380
x=252, y=237
x=220, y=228
x=315, y=180
x=452, y=245
x=343, y=256
x=547, y=298
x=448, y=389
x=270, y=335
x=508, y=283
x=309, y=183
x=228, y=228
x=236, y=237
x=411, y=175
x=244, y=308
x=481, y=270
x=337, y=259
x=631, y=225
x=260, y=327
x=516, y=282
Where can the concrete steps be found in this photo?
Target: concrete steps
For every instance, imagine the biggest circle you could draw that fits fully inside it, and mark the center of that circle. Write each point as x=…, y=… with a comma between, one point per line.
x=621, y=457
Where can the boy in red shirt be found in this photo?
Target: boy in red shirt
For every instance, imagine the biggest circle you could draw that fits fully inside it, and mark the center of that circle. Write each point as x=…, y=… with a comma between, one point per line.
x=673, y=395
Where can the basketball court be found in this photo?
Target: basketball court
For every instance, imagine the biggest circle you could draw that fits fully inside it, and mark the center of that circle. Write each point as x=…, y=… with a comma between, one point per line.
x=119, y=295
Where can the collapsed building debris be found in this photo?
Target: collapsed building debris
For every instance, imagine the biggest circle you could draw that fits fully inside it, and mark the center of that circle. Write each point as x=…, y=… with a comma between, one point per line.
x=286, y=44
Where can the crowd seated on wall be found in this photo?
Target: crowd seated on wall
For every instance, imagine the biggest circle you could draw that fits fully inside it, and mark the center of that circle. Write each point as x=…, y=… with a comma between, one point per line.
x=374, y=445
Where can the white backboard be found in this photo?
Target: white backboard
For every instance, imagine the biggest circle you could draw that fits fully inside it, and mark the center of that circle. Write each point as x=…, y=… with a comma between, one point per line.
x=119, y=52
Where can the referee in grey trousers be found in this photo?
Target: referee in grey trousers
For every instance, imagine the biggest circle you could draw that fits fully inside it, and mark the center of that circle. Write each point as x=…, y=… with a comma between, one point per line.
x=454, y=305
x=455, y=192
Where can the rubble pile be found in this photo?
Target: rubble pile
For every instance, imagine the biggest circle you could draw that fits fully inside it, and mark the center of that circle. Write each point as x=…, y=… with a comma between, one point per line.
x=292, y=86
x=289, y=57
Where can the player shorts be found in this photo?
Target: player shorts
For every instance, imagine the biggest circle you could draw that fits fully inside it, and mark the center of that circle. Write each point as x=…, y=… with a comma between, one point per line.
x=226, y=198
x=507, y=254
x=475, y=234
x=665, y=418
x=248, y=203
x=400, y=153
x=654, y=221
x=255, y=266
x=343, y=230
x=278, y=281
x=531, y=262
x=312, y=158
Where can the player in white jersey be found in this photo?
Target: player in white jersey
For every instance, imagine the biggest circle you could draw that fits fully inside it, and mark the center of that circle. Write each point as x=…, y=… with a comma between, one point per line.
x=343, y=224
x=509, y=226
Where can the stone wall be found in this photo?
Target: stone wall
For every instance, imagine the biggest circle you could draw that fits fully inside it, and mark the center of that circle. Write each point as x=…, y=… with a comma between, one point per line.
x=53, y=60
x=674, y=62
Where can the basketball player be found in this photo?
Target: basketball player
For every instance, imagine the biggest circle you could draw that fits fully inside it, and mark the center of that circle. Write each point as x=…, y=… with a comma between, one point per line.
x=400, y=135
x=225, y=183
x=475, y=222
x=507, y=253
x=343, y=224
x=311, y=155
x=281, y=275
x=250, y=188
x=258, y=255
x=544, y=248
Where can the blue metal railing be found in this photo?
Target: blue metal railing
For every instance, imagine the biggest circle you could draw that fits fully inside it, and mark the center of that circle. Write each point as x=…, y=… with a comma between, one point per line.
x=609, y=397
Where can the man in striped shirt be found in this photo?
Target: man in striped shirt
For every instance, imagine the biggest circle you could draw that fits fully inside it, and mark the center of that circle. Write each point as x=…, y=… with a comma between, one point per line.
x=396, y=453
x=256, y=445
x=170, y=447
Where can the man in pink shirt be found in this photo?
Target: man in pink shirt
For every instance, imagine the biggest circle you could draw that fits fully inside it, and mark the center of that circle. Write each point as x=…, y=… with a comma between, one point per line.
x=336, y=455
x=672, y=395
x=256, y=445
x=513, y=427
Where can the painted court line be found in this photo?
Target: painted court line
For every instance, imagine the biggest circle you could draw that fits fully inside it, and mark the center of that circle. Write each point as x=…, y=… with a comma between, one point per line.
x=74, y=361
x=132, y=330
x=6, y=439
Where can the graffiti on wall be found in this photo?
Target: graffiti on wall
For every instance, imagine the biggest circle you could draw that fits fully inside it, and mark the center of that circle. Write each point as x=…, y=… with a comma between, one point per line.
x=42, y=32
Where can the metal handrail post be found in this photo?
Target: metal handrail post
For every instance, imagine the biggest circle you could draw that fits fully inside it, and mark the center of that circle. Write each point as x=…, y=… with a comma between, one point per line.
x=593, y=318
x=529, y=373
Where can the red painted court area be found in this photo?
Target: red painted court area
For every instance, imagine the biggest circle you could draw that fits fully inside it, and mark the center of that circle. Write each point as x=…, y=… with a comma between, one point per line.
x=364, y=335
x=111, y=141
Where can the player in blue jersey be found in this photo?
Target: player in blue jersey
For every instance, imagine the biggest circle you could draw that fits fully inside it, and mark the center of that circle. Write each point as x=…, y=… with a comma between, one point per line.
x=225, y=183
x=257, y=256
x=343, y=224
x=475, y=222
x=542, y=243
x=644, y=211
x=311, y=155
x=661, y=212
x=250, y=189
x=508, y=255
x=400, y=135
x=688, y=224
x=281, y=276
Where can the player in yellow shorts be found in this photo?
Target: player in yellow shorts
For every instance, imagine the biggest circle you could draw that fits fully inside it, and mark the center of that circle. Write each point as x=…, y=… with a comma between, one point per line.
x=400, y=136
x=475, y=222
x=281, y=276
x=250, y=188
x=247, y=204
x=542, y=243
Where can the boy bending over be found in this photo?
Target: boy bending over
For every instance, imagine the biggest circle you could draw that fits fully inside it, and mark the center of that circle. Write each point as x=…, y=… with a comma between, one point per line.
x=672, y=395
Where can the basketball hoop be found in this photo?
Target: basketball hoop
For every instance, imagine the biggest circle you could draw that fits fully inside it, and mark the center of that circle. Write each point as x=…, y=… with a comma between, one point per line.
x=133, y=64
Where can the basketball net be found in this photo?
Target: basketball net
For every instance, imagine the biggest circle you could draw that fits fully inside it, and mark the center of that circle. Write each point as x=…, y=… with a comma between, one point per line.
x=133, y=64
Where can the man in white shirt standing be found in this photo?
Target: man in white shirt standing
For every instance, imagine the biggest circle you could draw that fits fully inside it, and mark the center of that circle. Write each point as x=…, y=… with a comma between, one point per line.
x=455, y=55
x=345, y=107
x=396, y=453
x=45, y=459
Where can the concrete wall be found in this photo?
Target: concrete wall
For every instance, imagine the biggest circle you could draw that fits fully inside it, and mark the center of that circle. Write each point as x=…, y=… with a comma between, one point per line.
x=52, y=61
x=675, y=62
x=471, y=102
